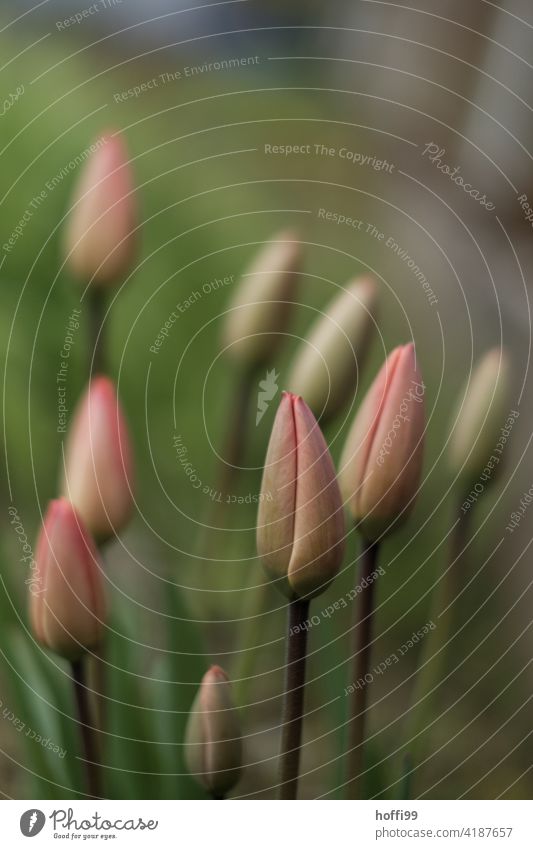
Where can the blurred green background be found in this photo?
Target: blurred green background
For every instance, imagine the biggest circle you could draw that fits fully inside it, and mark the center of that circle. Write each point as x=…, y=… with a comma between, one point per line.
x=209, y=197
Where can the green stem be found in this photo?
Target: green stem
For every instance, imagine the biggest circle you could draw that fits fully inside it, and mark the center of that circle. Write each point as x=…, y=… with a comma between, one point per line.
x=250, y=638
x=407, y=775
x=291, y=737
x=87, y=730
x=97, y=342
x=431, y=664
x=230, y=463
x=362, y=638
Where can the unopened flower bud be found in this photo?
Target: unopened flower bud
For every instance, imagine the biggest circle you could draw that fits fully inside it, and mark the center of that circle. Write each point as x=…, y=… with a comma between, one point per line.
x=480, y=414
x=67, y=608
x=259, y=312
x=98, y=473
x=300, y=525
x=100, y=238
x=328, y=362
x=213, y=743
x=381, y=463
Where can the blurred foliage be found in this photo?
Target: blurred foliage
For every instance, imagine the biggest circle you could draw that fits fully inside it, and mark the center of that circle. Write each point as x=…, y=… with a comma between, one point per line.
x=205, y=208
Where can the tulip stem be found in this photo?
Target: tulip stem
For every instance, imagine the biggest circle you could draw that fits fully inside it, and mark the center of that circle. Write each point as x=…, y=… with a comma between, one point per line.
x=87, y=731
x=362, y=637
x=233, y=453
x=291, y=736
x=97, y=347
x=432, y=656
x=235, y=445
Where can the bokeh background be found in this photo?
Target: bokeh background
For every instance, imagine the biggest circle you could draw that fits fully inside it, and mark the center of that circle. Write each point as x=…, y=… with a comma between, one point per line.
x=378, y=78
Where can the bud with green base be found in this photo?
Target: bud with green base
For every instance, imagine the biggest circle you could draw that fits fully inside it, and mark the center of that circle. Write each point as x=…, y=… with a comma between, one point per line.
x=300, y=539
x=100, y=240
x=213, y=744
x=480, y=413
x=330, y=359
x=380, y=475
x=67, y=609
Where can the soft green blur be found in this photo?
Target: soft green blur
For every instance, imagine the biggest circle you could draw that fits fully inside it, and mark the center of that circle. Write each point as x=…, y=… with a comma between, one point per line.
x=206, y=208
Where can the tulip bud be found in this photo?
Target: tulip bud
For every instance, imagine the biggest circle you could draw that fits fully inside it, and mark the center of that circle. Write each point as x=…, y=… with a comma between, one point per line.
x=480, y=415
x=213, y=744
x=300, y=525
x=67, y=608
x=328, y=362
x=98, y=474
x=381, y=463
x=259, y=311
x=100, y=234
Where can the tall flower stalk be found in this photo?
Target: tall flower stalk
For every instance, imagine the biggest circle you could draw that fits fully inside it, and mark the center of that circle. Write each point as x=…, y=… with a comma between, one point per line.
x=380, y=474
x=300, y=539
x=100, y=246
x=325, y=371
x=213, y=737
x=253, y=330
x=475, y=454
x=101, y=233
x=98, y=478
x=67, y=611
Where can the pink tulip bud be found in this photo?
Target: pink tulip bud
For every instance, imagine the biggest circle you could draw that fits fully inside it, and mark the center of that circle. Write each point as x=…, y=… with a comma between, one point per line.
x=100, y=234
x=67, y=609
x=98, y=474
x=213, y=744
x=381, y=463
x=300, y=526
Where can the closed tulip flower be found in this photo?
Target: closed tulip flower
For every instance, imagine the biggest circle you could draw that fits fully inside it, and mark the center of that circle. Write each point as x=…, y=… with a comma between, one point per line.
x=98, y=473
x=67, y=609
x=100, y=239
x=480, y=415
x=381, y=463
x=329, y=360
x=259, y=312
x=213, y=744
x=300, y=525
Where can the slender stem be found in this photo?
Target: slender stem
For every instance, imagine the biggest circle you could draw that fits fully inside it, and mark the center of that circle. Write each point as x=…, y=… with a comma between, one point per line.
x=97, y=676
x=250, y=641
x=97, y=347
x=362, y=637
x=229, y=466
x=407, y=776
x=291, y=737
x=87, y=730
x=432, y=658
x=99, y=673
x=235, y=441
